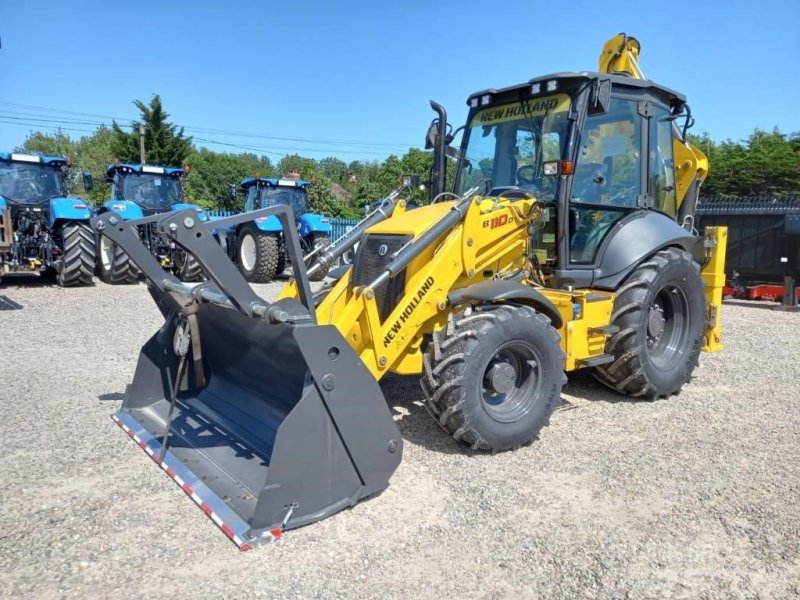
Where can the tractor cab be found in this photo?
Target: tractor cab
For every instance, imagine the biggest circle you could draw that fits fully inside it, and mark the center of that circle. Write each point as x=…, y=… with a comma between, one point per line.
x=266, y=192
x=153, y=189
x=594, y=150
x=31, y=180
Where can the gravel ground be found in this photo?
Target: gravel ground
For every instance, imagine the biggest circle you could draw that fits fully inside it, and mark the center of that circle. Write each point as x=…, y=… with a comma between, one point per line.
x=695, y=497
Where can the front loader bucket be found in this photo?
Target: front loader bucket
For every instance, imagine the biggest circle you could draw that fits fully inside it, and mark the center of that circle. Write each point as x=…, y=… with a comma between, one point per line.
x=285, y=426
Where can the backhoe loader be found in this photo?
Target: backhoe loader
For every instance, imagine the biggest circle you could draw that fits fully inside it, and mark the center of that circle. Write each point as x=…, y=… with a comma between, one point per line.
x=566, y=243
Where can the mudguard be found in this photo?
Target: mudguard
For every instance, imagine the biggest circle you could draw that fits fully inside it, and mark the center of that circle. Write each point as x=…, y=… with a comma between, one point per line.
x=124, y=208
x=270, y=224
x=507, y=290
x=183, y=206
x=68, y=209
x=636, y=238
x=314, y=223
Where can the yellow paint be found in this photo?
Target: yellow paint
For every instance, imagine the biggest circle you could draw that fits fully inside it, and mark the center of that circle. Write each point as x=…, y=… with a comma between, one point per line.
x=534, y=107
x=492, y=239
x=716, y=241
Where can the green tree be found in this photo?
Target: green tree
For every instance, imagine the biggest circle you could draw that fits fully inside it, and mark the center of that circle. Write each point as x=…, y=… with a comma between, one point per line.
x=49, y=144
x=211, y=172
x=164, y=143
x=766, y=164
x=322, y=200
x=93, y=154
x=334, y=169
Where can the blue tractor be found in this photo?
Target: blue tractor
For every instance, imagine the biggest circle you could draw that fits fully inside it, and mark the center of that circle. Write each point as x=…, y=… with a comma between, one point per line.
x=139, y=191
x=41, y=229
x=258, y=247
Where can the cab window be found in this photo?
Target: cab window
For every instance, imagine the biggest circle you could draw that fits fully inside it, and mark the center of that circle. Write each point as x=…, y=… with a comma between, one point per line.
x=608, y=169
x=607, y=180
x=661, y=170
x=252, y=196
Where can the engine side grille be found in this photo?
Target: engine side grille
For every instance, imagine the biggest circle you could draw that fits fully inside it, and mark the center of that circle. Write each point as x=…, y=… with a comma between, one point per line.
x=370, y=263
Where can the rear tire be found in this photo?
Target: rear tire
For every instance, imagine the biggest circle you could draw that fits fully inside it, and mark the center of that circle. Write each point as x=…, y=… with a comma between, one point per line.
x=186, y=267
x=114, y=266
x=257, y=254
x=660, y=312
x=77, y=260
x=494, y=375
x=318, y=240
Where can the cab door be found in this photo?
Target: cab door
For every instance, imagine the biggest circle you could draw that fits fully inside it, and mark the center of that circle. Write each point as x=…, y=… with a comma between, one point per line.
x=608, y=180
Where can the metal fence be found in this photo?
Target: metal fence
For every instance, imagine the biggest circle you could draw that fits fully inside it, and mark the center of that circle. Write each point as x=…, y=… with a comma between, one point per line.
x=220, y=214
x=341, y=226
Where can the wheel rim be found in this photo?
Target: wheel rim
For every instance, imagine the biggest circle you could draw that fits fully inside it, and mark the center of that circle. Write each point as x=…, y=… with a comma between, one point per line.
x=511, y=382
x=667, y=326
x=106, y=253
x=247, y=252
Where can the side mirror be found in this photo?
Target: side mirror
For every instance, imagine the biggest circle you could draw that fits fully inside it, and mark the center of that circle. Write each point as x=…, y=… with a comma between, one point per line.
x=232, y=191
x=88, y=182
x=411, y=181
x=430, y=137
x=600, y=100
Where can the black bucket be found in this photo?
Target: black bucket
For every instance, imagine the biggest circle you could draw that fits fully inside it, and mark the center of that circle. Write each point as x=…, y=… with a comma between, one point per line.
x=289, y=428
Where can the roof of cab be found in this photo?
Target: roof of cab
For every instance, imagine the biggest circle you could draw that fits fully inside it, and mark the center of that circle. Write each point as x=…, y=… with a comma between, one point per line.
x=56, y=161
x=274, y=182
x=147, y=169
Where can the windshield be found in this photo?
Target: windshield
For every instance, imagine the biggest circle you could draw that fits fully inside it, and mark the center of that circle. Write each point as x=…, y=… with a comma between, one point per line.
x=293, y=196
x=509, y=143
x=151, y=191
x=27, y=183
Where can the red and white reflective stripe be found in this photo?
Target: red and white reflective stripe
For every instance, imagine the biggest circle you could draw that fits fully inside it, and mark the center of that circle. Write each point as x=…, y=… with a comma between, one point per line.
x=272, y=535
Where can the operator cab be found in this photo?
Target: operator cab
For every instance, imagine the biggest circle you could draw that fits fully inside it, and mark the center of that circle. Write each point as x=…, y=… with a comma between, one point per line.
x=31, y=180
x=267, y=192
x=155, y=189
x=594, y=149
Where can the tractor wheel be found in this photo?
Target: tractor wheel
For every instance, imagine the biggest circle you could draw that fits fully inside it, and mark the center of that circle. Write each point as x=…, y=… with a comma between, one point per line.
x=257, y=254
x=660, y=312
x=186, y=267
x=281, y=267
x=114, y=266
x=318, y=240
x=494, y=375
x=77, y=260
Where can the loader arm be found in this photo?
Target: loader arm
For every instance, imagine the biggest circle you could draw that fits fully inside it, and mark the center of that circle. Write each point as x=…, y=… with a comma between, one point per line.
x=486, y=238
x=620, y=56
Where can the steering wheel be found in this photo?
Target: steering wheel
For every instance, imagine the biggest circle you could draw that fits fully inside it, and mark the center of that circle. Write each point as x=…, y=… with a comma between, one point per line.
x=28, y=189
x=526, y=175
x=516, y=194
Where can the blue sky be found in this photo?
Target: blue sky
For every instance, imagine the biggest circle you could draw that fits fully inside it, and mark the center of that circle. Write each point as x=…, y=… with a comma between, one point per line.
x=353, y=79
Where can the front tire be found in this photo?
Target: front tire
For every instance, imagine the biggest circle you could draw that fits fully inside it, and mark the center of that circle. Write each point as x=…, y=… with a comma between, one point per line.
x=186, y=267
x=494, y=375
x=77, y=260
x=114, y=266
x=257, y=254
x=660, y=312
x=318, y=240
